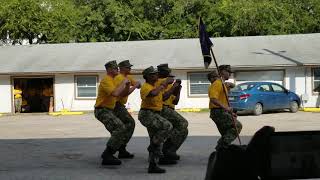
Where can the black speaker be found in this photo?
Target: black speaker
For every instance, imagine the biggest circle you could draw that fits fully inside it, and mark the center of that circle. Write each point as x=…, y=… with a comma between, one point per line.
x=294, y=155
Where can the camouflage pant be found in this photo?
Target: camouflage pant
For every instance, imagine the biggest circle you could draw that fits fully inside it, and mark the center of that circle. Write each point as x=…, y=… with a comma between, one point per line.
x=179, y=132
x=225, y=125
x=17, y=104
x=117, y=128
x=158, y=127
x=122, y=113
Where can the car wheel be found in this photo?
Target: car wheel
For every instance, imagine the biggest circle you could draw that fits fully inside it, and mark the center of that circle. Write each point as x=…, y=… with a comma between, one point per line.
x=294, y=107
x=258, y=109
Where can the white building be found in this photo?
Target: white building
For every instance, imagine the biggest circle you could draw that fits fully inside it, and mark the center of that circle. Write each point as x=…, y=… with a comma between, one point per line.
x=75, y=69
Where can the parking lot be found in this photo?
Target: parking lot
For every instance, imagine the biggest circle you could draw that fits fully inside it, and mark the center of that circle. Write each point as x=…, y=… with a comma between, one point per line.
x=68, y=147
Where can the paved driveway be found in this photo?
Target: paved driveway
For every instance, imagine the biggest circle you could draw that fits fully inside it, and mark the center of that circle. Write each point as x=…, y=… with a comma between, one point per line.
x=43, y=147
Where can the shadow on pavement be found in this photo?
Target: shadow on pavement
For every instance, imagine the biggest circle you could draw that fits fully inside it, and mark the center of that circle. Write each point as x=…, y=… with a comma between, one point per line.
x=79, y=158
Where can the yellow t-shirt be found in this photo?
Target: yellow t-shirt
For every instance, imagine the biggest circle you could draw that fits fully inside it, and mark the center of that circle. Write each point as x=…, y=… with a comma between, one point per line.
x=105, y=99
x=216, y=91
x=155, y=102
x=117, y=81
x=17, y=93
x=169, y=101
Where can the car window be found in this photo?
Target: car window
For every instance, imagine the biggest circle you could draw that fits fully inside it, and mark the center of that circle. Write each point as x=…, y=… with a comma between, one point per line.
x=277, y=88
x=244, y=87
x=264, y=88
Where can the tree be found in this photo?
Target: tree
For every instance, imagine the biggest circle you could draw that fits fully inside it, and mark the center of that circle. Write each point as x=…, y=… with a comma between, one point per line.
x=56, y=21
x=37, y=20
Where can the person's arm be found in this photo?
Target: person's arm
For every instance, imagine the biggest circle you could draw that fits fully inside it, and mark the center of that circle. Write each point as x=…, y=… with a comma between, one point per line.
x=229, y=85
x=168, y=93
x=156, y=91
x=220, y=105
x=161, y=87
x=177, y=95
x=123, y=88
x=137, y=85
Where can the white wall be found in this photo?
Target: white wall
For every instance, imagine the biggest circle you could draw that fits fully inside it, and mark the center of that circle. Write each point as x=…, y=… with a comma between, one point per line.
x=299, y=80
x=64, y=92
x=313, y=99
x=295, y=80
x=5, y=94
x=134, y=100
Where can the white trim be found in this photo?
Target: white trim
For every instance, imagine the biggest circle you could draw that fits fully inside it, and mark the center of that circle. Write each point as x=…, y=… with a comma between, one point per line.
x=199, y=83
x=314, y=80
x=76, y=86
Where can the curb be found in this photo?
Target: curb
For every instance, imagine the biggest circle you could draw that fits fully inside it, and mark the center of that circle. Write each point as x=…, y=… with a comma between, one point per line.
x=311, y=109
x=65, y=112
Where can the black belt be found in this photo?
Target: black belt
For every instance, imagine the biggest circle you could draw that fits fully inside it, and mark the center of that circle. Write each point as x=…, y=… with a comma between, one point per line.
x=102, y=108
x=150, y=110
x=169, y=107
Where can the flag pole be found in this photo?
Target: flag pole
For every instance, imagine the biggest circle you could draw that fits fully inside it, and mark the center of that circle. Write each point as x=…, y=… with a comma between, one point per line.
x=225, y=92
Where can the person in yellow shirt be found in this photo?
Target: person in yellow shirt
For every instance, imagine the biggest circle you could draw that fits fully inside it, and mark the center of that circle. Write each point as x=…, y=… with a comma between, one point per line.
x=180, y=124
x=17, y=98
x=120, y=110
x=47, y=98
x=220, y=112
x=108, y=93
x=158, y=127
x=25, y=107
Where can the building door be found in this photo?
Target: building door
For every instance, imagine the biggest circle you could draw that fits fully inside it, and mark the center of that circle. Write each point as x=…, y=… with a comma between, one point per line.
x=36, y=94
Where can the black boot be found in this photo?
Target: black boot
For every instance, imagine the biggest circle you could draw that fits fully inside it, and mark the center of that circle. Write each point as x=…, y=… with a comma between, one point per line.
x=154, y=168
x=168, y=152
x=124, y=154
x=166, y=161
x=156, y=150
x=171, y=155
x=108, y=158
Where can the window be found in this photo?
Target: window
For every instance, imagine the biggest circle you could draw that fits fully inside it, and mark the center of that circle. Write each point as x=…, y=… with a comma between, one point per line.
x=277, y=88
x=264, y=88
x=276, y=76
x=316, y=80
x=244, y=87
x=86, y=86
x=198, y=83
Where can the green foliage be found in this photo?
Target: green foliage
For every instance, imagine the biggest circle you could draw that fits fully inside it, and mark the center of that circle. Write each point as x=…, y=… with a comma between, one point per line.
x=58, y=21
x=47, y=21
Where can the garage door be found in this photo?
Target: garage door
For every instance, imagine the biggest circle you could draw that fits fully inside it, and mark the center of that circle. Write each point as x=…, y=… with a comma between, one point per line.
x=251, y=76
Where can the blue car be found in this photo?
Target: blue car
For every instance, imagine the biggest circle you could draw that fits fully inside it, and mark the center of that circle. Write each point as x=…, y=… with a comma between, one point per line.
x=258, y=97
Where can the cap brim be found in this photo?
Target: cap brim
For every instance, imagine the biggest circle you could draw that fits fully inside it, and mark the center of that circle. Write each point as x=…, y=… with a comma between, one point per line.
x=129, y=66
x=154, y=72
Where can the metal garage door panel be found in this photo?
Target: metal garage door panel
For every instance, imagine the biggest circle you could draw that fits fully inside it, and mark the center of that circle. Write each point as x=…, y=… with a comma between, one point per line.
x=253, y=76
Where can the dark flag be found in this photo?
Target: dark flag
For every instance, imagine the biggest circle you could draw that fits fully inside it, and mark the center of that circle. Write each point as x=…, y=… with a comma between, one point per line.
x=205, y=43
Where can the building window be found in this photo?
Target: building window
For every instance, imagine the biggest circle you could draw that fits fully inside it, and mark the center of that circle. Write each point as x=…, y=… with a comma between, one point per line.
x=198, y=84
x=275, y=76
x=86, y=86
x=316, y=80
